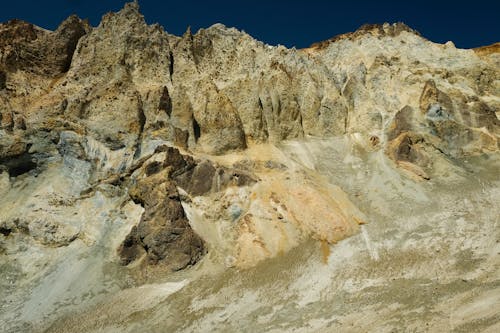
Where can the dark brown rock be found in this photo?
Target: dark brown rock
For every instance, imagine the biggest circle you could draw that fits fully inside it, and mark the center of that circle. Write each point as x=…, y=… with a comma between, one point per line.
x=198, y=181
x=206, y=177
x=163, y=235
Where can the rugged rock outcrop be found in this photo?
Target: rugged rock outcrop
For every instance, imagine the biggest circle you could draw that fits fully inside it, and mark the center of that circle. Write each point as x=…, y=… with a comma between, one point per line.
x=29, y=48
x=123, y=144
x=163, y=233
x=110, y=95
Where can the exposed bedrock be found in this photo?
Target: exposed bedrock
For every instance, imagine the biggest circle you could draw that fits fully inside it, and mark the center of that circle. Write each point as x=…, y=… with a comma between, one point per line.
x=164, y=123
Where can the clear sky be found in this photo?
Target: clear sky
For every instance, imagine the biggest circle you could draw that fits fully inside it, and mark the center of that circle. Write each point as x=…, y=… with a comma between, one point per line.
x=468, y=23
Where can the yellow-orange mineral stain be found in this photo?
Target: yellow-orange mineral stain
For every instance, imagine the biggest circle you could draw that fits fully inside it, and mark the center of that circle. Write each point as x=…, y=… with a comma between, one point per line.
x=325, y=251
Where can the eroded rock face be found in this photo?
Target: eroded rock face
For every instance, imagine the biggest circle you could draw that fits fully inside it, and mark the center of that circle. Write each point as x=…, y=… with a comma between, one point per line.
x=28, y=48
x=163, y=234
x=218, y=91
x=149, y=150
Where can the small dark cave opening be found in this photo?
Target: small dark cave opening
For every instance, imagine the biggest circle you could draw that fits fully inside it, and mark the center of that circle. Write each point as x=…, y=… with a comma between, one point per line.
x=5, y=231
x=19, y=165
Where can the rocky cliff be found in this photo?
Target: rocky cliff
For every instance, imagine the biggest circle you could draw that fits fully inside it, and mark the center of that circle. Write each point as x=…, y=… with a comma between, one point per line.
x=127, y=153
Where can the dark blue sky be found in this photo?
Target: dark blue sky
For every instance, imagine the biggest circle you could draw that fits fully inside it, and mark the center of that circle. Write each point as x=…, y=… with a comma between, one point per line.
x=291, y=23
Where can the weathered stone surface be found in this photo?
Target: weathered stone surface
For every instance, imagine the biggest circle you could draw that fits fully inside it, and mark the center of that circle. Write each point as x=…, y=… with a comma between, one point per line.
x=125, y=149
x=163, y=234
x=402, y=122
x=26, y=47
x=219, y=90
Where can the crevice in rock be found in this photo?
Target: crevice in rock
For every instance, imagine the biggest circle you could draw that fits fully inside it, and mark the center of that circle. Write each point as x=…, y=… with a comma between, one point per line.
x=263, y=123
x=141, y=117
x=261, y=107
x=3, y=80
x=196, y=130
x=64, y=105
x=171, y=64
x=138, y=201
x=165, y=103
x=278, y=107
x=301, y=123
x=346, y=121
x=265, y=129
x=113, y=144
x=83, y=112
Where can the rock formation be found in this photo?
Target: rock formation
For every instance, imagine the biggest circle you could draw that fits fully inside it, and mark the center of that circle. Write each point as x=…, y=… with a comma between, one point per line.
x=126, y=145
